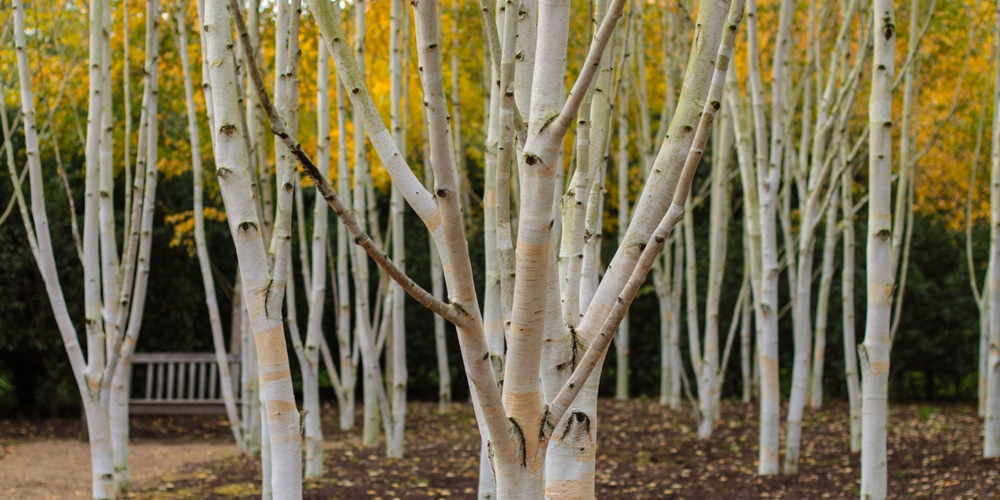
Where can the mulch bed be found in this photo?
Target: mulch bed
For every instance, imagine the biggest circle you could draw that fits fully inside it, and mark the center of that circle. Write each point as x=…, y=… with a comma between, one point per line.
x=646, y=451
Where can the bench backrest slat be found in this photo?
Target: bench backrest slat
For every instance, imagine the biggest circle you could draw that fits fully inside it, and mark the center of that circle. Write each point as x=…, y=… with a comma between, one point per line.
x=213, y=374
x=170, y=381
x=160, y=370
x=181, y=381
x=191, y=381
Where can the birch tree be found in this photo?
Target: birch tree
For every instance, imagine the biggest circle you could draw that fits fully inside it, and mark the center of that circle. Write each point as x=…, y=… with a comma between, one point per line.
x=874, y=352
x=768, y=176
x=847, y=308
x=521, y=426
x=115, y=283
x=211, y=301
x=991, y=439
x=399, y=42
x=309, y=353
x=815, y=179
x=262, y=292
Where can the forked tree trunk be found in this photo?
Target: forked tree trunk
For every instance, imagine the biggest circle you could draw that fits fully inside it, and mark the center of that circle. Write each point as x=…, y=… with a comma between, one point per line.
x=745, y=143
x=88, y=370
x=263, y=304
x=768, y=176
x=123, y=320
x=518, y=455
x=663, y=178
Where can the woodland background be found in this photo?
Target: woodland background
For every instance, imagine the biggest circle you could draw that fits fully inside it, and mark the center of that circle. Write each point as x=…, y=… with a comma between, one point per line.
x=934, y=354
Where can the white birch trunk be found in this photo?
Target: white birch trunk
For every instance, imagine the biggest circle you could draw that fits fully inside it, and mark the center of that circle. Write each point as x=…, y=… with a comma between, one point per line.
x=101, y=448
x=991, y=438
x=691, y=313
x=363, y=327
x=201, y=247
x=399, y=31
x=752, y=228
x=110, y=283
x=746, y=343
x=847, y=301
x=121, y=374
x=663, y=284
x=822, y=306
x=263, y=303
x=710, y=384
x=493, y=318
x=348, y=360
x=676, y=364
x=648, y=212
x=874, y=352
x=768, y=175
x=622, y=340
x=317, y=299
x=84, y=368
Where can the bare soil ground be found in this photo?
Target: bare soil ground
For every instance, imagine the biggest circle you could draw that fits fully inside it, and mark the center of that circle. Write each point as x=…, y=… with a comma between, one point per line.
x=48, y=459
x=646, y=451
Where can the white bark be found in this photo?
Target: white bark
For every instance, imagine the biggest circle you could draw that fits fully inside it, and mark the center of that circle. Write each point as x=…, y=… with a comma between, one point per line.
x=348, y=360
x=663, y=179
x=991, y=439
x=668, y=295
x=745, y=144
x=138, y=282
x=874, y=352
x=250, y=392
x=746, y=343
x=127, y=281
x=317, y=293
x=710, y=380
x=493, y=318
x=768, y=175
x=399, y=33
x=847, y=288
x=263, y=302
x=215, y=320
x=822, y=306
x=676, y=364
x=594, y=355
x=622, y=340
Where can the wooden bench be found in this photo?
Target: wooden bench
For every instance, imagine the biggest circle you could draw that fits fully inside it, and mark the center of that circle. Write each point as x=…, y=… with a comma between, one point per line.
x=180, y=383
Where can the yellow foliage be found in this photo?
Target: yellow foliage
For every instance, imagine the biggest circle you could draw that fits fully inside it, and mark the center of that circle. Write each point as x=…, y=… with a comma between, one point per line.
x=953, y=91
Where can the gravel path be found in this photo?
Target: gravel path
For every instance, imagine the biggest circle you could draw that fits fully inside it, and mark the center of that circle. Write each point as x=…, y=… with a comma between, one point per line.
x=60, y=468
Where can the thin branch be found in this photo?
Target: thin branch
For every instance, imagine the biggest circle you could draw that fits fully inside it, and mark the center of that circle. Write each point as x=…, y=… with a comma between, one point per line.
x=973, y=283
x=590, y=67
x=449, y=312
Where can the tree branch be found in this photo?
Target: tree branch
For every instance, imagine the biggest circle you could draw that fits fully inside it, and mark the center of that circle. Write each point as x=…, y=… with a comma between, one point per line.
x=447, y=311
